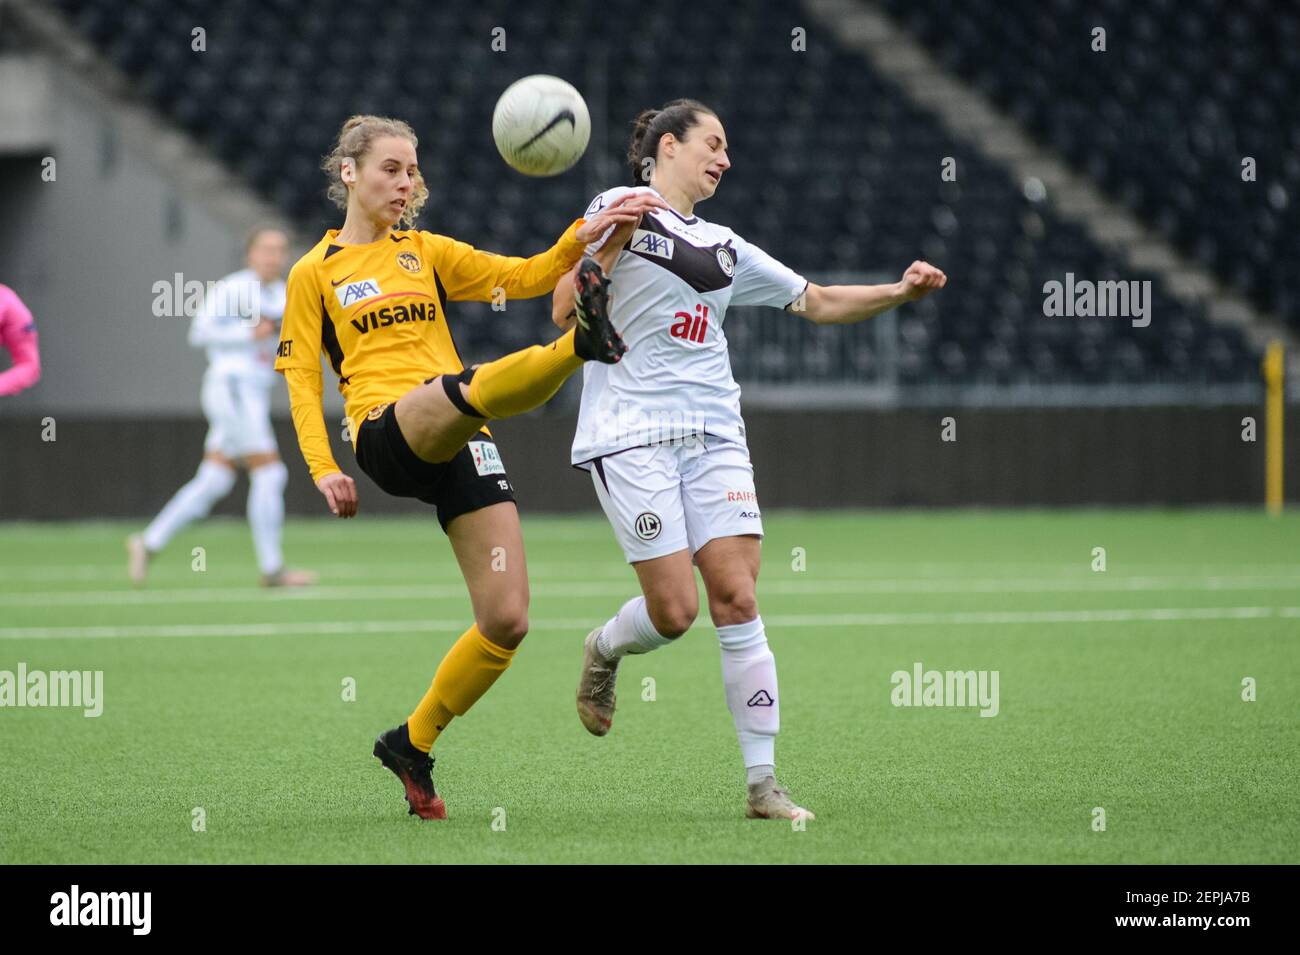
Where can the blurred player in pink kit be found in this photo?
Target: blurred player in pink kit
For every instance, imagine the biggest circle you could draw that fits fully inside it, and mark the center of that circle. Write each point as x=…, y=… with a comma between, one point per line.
x=18, y=336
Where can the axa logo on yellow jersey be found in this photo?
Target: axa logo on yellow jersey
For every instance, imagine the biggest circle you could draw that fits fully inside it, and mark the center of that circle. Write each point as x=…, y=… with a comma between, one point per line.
x=358, y=291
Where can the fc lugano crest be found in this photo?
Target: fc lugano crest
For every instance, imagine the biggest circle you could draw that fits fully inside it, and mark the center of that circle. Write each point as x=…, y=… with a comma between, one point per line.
x=647, y=526
x=726, y=263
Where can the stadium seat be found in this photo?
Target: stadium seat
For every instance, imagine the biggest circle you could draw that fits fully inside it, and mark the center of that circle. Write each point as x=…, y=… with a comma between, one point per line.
x=828, y=169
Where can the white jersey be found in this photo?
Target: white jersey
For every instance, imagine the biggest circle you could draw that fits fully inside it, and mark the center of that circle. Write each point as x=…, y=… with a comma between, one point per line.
x=225, y=323
x=671, y=287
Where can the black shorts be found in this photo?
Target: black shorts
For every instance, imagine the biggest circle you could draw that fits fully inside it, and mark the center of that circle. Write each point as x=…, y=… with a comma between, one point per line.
x=474, y=479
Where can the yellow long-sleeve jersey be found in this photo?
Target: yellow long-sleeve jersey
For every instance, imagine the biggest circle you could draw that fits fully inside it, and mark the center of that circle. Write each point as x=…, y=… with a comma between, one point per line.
x=378, y=311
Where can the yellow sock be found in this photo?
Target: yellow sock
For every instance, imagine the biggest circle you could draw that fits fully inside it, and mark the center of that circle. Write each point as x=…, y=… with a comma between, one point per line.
x=523, y=380
x=470, y=667
x=428, y=721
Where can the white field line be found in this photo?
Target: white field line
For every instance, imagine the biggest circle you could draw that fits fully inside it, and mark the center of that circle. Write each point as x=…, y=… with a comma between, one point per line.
x=421, y=567
x=779, y=587
x=775, y=621
x=394, y=531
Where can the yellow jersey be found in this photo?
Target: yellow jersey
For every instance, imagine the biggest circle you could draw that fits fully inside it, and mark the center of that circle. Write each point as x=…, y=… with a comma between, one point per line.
x=378, y=312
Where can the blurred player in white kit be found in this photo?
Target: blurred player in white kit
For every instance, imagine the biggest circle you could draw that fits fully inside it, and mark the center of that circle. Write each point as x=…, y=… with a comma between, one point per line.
x=239, y=325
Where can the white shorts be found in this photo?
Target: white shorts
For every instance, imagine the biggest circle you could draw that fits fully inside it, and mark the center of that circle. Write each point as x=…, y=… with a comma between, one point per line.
x=667, y=498
x=238, y=408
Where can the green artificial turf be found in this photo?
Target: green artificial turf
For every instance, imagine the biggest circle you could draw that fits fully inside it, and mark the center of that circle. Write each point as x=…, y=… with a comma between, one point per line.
x=1119, y=689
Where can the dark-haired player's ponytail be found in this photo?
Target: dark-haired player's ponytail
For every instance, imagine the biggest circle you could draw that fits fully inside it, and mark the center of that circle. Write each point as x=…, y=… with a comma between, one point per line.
x=642, y=123
x=636, y=145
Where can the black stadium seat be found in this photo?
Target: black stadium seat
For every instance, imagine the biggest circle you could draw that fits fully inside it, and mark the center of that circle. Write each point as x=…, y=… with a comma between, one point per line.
x=1162, y=119
x=834, y=170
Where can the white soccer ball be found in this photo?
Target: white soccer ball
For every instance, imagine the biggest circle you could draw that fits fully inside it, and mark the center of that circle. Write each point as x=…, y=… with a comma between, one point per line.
x=541, y=125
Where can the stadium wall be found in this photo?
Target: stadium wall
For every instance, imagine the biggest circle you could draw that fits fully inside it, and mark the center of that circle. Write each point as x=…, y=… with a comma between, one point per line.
x=85, y=248
x=1148, y=456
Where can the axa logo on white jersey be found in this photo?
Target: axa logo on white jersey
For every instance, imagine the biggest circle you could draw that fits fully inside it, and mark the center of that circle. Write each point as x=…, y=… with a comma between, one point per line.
x=651, y=243
x=358, y=291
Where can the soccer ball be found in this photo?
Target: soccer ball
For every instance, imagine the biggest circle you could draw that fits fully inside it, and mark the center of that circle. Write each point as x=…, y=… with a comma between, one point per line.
x=541, y=125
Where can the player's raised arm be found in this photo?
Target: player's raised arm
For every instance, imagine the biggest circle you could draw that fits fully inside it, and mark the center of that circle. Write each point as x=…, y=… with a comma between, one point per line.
x=842, y=304
x=470, y=274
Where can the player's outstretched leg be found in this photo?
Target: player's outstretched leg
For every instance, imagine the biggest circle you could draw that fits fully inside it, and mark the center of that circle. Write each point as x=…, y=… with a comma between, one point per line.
x=267, y=477
x=664, y=611
x=595, y=336
x=439, y=417
x=628, y=631
x=213, y=481
x=527, y=379
x=729, y=566
x=415, y=769
x=767, y=799
x=596, y=697
x=749, y=676
x=137, y=559
x=467, y=671
x=489, y=546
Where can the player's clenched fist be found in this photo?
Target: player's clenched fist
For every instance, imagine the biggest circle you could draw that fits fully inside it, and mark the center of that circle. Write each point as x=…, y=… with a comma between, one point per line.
x=340, y=493
x=920, y=279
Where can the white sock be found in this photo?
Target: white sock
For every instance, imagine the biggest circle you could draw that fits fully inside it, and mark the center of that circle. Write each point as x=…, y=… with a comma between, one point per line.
x=266, y=514
x=191, y=503
x=749, y=675
x=629, y=631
